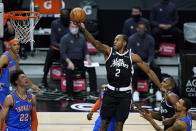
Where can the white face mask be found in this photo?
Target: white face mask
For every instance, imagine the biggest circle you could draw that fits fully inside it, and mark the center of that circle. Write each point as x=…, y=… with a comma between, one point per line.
x=74, y=31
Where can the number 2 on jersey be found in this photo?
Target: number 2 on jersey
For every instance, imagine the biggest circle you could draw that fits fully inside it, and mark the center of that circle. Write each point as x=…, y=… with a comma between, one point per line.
x=117, y=72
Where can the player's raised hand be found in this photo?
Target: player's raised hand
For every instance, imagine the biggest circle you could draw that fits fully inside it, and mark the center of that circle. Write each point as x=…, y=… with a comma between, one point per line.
x=147, y=116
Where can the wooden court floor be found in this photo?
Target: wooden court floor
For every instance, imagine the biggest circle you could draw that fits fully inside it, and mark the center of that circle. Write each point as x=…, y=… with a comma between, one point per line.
x=77, y=121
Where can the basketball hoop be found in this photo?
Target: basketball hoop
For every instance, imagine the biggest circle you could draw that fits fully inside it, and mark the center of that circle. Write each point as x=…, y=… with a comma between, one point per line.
x=24, y=23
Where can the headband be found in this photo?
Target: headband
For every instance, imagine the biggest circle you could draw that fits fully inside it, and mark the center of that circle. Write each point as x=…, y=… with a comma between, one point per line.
x=13, y=41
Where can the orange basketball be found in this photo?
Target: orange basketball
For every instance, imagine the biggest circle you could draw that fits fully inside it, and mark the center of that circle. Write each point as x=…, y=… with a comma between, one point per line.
x=77, y=15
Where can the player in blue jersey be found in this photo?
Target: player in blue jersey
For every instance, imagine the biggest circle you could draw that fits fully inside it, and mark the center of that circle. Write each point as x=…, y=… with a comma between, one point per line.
x=96, y=107
x=19, y=106
x=9, y=62
x=183, y=117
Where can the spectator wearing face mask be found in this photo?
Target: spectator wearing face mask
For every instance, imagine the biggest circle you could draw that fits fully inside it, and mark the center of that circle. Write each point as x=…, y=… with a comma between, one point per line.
x=59, y=27
x=142, y=43
x=74, y=51
x=129, y=27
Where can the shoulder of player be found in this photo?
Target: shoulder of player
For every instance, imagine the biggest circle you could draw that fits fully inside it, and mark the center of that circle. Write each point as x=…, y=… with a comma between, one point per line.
x=9, y=100
x=172, y=95
x=179, y=125
x=172, y=98
x=136, y=58
x=33, y=97
x=4, y=57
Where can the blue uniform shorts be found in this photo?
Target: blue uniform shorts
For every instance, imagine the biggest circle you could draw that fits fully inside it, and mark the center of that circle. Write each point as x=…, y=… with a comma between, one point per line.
x=8, y=128
x=98, y=124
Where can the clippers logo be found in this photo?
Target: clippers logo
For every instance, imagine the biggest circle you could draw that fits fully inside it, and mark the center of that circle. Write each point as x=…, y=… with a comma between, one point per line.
x=48, y=4
x=119, y=63
x=56, y=72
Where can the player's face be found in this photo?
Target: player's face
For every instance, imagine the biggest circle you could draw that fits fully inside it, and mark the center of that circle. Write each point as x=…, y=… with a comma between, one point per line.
x=118, y=42
x=165, y=83
x=15, y=47
x=180, y=105
x=22, y=80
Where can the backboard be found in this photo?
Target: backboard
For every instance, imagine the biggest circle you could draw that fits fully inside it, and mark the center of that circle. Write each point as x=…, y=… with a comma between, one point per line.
x=1, y=19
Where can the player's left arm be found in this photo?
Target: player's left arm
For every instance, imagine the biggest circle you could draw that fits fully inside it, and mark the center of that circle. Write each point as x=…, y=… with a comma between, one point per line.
x=34, y=119
x=144, y=66
x=173, y=99
x=149, y=118
x=5, y=109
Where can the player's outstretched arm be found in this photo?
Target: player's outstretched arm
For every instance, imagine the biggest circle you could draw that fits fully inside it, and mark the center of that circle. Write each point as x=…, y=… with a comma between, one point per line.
x=98, y=45
x=148, y=117
x=94, y=109
x=34, y=119
x=155, y=115
x=5, y=109
x=144, y=66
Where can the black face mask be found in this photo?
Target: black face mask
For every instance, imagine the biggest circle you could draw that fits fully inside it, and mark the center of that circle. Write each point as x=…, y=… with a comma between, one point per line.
x=141, y=33
x=136, y=17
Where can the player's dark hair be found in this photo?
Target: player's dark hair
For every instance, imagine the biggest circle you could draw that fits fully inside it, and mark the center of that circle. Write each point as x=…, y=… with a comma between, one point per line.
x=14, y=76
x=125, y=38
x=187, y=103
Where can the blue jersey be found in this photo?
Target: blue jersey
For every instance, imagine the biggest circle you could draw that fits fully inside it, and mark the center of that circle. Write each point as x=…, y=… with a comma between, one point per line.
x=6, y=72
x=188, y=120
x=19, y=116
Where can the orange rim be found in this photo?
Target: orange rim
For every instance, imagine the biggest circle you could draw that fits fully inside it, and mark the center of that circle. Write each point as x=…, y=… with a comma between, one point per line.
x=11, y=15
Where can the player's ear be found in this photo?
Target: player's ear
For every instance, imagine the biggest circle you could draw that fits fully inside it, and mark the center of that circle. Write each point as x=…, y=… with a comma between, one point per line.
x=16, y=82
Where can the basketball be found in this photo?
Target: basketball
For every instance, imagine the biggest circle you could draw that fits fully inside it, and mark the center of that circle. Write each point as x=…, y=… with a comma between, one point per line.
x=77, y=15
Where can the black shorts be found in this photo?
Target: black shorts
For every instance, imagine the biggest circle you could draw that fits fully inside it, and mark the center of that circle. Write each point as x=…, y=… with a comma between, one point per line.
x=115, y=106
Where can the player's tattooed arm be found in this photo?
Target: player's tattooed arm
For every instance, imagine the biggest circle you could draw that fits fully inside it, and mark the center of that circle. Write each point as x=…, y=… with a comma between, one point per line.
x=178, y=126
x=148, y=117
x=98, y=45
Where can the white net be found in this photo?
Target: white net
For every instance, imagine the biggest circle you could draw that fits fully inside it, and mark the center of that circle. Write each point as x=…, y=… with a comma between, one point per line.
x=24, y=24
